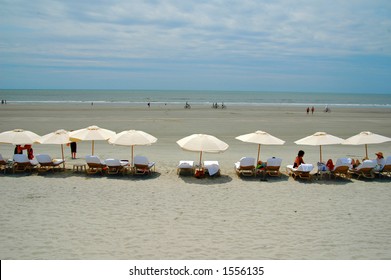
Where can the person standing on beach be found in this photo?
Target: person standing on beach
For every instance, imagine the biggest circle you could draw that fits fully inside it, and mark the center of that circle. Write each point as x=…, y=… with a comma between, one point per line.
x=312, y=110
x=73, y=146
x=308, y=110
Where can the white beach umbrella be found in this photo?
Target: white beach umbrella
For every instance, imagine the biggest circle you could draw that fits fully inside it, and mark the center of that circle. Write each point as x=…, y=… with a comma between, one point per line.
x=92, y=133
x=365, y=138
x=202, y=143
x=18, y=137
x=261, y=138
x=132, y=138
x=58, y=137
x=320, y=139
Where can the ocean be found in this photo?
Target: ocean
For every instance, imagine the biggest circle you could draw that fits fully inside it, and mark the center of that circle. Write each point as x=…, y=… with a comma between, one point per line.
x=229, y=98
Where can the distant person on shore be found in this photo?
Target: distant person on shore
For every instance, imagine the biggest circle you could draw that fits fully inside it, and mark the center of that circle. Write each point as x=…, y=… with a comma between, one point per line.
x=327, y=109
x=312, y=109
x=73, y=149
x=308, y=110
x=149, y=104
x=299, y=159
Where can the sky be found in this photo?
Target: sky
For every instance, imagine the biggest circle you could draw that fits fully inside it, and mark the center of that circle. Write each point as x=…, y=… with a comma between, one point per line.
x=265, y=45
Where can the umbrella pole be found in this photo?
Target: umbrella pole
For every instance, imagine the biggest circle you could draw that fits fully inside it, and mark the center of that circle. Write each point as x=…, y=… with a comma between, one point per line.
x=63, y=159
x=259, y=152
x=132, y=156
x=320, y=150
x=366, y=151
x=92, y=147
x=200, y=159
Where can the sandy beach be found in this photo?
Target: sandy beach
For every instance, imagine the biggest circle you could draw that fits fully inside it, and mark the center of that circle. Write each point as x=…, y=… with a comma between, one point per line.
x=69, y=215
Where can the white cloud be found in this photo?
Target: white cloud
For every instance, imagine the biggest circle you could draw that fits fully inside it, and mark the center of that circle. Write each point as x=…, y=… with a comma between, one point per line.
x=225, y=34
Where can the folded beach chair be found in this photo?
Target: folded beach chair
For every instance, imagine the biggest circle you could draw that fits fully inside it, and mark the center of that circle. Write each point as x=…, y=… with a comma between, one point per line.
x=365, y=169
x=185, y=165
x=212, y=167
x=273, y=166
x=47, y=163
x=245, y=166
x=115, y=166
x=22, y=163
x=142, y=165
x=302, y=172
x=386, y=171
x=341, y=168
x=95, y=165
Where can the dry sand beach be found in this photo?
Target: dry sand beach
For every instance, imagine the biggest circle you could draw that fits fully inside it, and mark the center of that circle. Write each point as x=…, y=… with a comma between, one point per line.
x=69, y=215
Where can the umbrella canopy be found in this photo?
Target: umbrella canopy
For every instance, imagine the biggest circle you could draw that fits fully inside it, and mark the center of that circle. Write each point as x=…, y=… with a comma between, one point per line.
x=132, y=138
x=320, y=139
x=365, y=138
x=18, y=137
x=261, y=138
x=58, y=137
x=202, y=143
x=91, y=133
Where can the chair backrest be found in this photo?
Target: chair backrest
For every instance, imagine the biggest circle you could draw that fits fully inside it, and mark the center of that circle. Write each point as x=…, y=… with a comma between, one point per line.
x=305, y=167
x=140, y=160
x=94, y=159
x=247, y=161
x=367, y=164
x=388, y=160
x=41, y=158
x=186, y=164
x=274, y=161
x=21, y=158
x=113, y=162
x=343, y=162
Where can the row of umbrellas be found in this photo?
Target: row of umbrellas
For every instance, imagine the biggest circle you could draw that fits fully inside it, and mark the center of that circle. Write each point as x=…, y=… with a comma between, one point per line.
x=197, y=142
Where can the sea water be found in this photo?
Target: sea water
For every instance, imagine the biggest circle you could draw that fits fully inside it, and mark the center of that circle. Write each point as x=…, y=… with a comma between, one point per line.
x=229, y=98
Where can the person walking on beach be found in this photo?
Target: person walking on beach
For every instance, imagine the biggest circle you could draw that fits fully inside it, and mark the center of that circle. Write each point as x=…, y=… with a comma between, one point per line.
x=312, y=110
x=308, y=110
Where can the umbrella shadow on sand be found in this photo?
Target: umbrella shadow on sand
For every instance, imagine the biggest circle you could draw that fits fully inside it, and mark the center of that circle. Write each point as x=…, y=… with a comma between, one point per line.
x=207, y=180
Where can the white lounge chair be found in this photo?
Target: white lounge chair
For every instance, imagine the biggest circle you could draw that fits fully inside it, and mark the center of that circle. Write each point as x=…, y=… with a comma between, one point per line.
x=115, y=166
x=22, y=163
x=245, y=166
x=303, y=171
x=95, y=165
x=341, y=168
x=47, y=163
x=273, y=166
x=212, y=167
x=365, y=169
x=142, y=165
x=185, y=165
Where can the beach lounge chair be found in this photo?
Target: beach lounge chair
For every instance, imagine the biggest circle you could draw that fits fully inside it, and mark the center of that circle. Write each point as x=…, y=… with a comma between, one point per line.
x=115, y=166
x=186, y=166
x=341, y=168
x=212, y=167
x=365, y=169
x=245, y=166
x=273, y=166
x=22, y=163
x=386, y=171
x=47, y=163
x=302, y=172
x=95, y=165
x=142, y=165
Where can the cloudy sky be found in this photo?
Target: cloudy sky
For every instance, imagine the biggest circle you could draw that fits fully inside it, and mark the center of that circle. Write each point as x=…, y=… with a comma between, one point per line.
x=264, y=45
